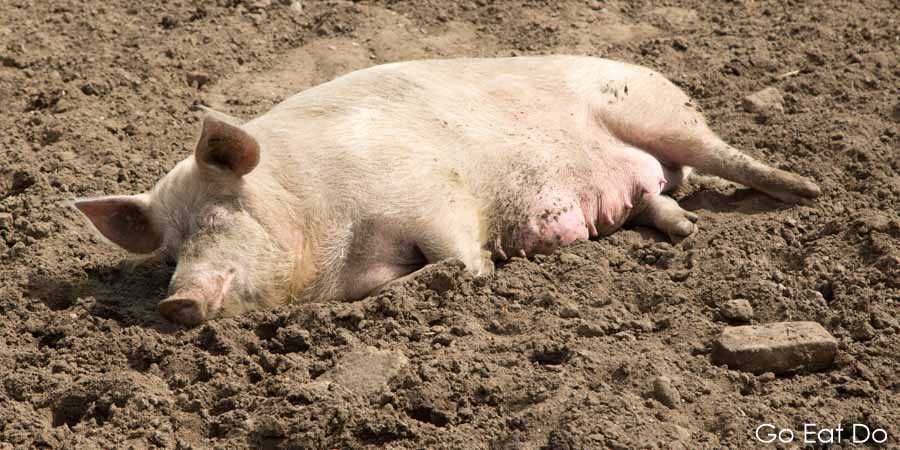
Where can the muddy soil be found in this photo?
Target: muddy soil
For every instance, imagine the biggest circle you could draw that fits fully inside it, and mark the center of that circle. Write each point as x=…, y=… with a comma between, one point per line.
x=562, y=351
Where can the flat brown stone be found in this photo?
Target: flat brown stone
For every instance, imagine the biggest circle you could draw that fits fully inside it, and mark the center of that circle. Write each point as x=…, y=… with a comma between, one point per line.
x=366, y=370
x=780, y=348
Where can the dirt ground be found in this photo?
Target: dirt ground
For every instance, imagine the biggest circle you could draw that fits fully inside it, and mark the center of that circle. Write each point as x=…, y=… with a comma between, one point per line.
x=557, y=352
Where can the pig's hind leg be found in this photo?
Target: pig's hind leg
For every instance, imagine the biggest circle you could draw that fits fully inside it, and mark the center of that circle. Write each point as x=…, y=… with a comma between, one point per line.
x=656, y=116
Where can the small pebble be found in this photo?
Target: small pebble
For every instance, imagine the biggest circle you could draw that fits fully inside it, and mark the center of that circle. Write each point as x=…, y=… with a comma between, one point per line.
x=665, y=392
x=737, y=311
x=765, y=102
x=864, y=331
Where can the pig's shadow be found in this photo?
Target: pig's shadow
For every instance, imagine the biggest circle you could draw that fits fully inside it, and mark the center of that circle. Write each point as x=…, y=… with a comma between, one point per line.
x=129, y=295
x=743, y=201
x=126, y=295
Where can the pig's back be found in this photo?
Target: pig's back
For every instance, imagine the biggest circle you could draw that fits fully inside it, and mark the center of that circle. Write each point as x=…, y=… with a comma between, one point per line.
x=405, y=132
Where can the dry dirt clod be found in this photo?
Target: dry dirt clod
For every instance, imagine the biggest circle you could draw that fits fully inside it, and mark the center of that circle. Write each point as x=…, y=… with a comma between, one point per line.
x=765, y=102
x=197, y=78
x=864, y=331
x=366, y=370
x=6, y=221
x=569, y=310
x=780, y=348
x=665, y=392
x=22, y=180
x=879, y=319
x=551, y=353
x=570, y=258
x=737, y=311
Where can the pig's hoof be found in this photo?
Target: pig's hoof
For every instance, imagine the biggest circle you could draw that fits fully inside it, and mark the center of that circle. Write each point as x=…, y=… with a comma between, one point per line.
x=792, y=188
x=664, y=214
x=487, y=264
x=185, y=311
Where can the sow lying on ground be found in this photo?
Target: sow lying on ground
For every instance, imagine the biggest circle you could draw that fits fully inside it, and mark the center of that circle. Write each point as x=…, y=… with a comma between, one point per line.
x=363, y=180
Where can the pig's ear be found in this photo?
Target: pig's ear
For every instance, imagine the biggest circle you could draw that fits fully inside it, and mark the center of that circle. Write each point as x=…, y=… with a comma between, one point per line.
x=125, y=220
x=231, y=120
x=225, y=146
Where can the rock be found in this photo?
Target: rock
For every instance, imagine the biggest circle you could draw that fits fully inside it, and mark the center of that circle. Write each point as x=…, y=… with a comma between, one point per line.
x=879, y=319
x=590, y=330
x=856, y=389
x=665, y=392
x=866, y=373
x=6, y=221
x=21, y=180
x=94, y=88
x=780, y=348
x=50, y=136
x=39, y=230
x=570, y=258
x=66, y=155
x=438, y=280
x=766, y=377
x=738, y=311
x=765, y=102
x=259, y=4
x=167, y=22
x=198, y=78
x=366, y=371
x=292, y=338
x=677, y=18
x=864, y=331
x=569, y=311
x=551, y=353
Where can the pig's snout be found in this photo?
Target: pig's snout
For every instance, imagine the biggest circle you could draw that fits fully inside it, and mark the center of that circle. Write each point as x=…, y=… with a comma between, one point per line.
x=191, y=305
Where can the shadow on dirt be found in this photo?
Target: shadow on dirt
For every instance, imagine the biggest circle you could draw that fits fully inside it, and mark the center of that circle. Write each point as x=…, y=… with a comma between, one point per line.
x=744, y=201
x=126, y=295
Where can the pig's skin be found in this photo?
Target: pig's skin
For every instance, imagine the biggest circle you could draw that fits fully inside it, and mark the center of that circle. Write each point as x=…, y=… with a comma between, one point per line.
x=365, y=179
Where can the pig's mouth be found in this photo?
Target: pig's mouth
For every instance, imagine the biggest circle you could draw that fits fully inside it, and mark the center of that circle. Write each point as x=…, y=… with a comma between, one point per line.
x=194, y=304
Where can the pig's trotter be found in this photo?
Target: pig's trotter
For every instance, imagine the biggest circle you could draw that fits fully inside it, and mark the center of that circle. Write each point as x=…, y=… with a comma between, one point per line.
x=487, y=263
x=489, y=269
x=398, y=281
x=663, y=213
x=726, y=161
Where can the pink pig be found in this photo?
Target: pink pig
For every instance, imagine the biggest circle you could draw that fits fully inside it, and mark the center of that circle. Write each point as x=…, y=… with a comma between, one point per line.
x=364, y=180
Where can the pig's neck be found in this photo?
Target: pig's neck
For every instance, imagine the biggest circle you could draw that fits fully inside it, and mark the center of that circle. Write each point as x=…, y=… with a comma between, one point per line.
x=277, y=210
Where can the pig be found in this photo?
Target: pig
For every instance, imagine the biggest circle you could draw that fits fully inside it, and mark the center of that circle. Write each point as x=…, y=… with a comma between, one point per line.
x=361, y=182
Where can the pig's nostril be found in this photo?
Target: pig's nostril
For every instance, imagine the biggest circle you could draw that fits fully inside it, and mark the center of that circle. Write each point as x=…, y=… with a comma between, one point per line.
x=184, y=311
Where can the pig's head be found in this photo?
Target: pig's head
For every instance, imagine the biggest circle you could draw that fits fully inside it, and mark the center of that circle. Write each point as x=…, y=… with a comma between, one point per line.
x=205, y=214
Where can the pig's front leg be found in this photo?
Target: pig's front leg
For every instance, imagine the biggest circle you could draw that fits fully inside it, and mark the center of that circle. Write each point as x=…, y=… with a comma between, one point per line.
x=487, y=268
x=452, y=234
x=663, y=213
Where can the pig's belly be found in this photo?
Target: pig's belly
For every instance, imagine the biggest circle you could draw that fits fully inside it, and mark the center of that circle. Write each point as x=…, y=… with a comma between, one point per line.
x=568, y=209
